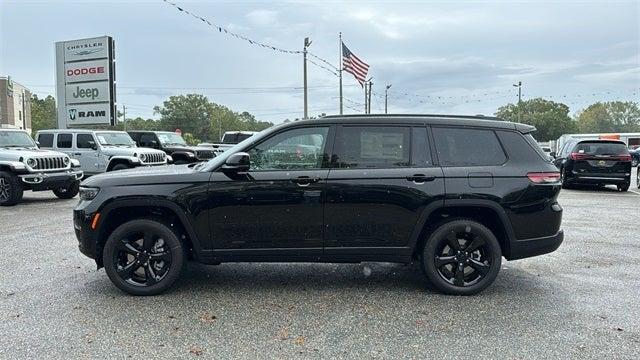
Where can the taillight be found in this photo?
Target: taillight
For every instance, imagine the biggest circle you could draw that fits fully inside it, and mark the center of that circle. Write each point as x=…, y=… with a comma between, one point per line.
x=578, y=156
x=544, y=177
x=626, y=157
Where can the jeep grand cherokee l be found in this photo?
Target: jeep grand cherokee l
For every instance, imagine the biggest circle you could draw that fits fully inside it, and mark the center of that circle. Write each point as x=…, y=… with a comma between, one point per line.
x=349, y=189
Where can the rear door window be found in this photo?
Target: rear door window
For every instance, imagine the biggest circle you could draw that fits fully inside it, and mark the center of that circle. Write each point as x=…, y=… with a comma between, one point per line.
x=372, y=147
x=468, y=147
x=64, y=141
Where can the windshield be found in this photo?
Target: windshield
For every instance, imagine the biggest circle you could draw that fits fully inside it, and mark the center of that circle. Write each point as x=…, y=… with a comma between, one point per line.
x=171, y=139
x=235, y=138
x=115, y=139
x=601, y=148
x=15, y=139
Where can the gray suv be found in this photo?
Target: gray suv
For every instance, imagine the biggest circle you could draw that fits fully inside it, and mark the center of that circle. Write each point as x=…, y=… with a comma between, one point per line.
x=99, y=151
x=23, y=166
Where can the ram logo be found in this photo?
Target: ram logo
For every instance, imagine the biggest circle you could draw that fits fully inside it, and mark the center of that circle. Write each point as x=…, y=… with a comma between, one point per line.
x=72, y=114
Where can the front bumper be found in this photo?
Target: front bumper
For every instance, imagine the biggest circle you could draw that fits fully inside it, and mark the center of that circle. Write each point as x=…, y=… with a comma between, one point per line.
x=525, y=248
x=85, y=235
x=50, y=181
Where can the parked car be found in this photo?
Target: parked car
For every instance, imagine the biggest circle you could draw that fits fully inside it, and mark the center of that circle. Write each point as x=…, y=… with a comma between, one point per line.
x=635, y=156
x=596, y=162
x=100, y=151
x=366, y=188
x=172, y=144
x=229, y=139
x=23, y=166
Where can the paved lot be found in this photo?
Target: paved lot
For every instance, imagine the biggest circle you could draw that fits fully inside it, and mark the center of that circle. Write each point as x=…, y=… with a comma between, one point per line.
x=583, y=301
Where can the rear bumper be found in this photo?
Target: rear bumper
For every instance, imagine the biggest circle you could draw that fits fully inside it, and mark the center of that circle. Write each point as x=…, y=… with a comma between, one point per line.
x=520, y=249
x=599, y=178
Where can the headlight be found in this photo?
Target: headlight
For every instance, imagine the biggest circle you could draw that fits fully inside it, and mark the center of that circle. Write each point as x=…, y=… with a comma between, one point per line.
x=31, y=162
x=142, y=156
x=66, y=161
x=87, y=193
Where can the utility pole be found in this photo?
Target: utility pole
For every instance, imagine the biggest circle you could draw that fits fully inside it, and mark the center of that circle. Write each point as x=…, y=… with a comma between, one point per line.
x=340, y=69
x=369, y=100
x=386, y=95
x=304, y=55
x=519, y=86
x=124, y=117
x=365, y=96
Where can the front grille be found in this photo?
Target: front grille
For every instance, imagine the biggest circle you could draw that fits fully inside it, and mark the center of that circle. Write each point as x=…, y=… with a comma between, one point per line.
x=204, y=154
x=154, y=158
x=50, y=163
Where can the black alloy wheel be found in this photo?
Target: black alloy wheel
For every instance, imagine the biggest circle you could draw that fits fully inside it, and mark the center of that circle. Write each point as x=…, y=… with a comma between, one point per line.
x=462, y=257
x=143, y=257
x=11, y=189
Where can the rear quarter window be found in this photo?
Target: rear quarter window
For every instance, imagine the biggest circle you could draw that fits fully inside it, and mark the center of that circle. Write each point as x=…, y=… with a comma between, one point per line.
x=468, y=147
x=521, y=147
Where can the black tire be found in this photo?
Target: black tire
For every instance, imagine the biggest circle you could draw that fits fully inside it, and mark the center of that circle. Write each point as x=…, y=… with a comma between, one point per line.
x=161, y=258
x=624, y=187
x=563, y=180
x=480, y=266
x=634, y=162
x=120, y=166
x=11, y=189
x=638, y=177
x=68, y=192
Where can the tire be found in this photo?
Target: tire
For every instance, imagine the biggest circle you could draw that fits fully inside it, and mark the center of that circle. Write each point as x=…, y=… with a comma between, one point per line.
x=624, y=187
x=634, y=162
x=68, y=192
x=638, y=178
x=563, y=180
x=11, y=189
x=480, y=266
x=120, y=166
x=158, y=264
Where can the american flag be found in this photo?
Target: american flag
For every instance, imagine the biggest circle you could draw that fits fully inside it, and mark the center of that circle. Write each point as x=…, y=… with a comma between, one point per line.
x=352, y=64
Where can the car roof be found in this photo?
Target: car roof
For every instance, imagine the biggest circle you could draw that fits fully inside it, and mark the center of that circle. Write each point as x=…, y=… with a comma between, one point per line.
x=430, y=119
x=614, y=141
x=79, y=131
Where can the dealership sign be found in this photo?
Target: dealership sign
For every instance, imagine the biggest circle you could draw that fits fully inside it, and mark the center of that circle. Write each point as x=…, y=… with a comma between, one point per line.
x=85, y=82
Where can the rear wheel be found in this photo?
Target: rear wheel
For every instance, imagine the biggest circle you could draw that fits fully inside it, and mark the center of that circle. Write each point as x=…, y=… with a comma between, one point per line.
x=563, y=180
x=69, y=191
x=143, y=257
x=10, y=189
x=461, y=257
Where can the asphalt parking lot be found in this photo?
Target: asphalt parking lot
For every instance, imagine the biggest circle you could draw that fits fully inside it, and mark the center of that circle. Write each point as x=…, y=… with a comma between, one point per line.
x=581, y=301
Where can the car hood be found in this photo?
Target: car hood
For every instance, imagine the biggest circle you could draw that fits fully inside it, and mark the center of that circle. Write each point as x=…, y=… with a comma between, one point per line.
x=17, y=153
x=124, y=151
x=184, y=148
x=142, y=176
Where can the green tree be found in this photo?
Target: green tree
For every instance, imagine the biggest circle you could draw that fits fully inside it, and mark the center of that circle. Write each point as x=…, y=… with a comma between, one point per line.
x=43, y=113
x=192, y=113
x=614, y=116
x=550, y=118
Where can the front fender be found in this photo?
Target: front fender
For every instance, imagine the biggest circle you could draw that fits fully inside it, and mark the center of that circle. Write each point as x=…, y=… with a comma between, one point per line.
x=131, y=160
x=15, y=166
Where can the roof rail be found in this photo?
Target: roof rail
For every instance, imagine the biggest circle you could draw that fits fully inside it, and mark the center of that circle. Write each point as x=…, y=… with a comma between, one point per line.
x=479, y=117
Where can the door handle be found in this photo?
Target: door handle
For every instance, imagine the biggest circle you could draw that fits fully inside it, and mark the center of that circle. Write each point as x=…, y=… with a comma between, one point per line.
x=420, y=178
x=305, y=180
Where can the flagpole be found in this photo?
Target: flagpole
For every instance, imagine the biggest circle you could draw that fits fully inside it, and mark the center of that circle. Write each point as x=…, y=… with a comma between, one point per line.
x=340, y=71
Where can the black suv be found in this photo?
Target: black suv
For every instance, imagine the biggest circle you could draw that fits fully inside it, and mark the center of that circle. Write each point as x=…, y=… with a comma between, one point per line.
x=595, y=162
x=393, y=188
x=172, y=144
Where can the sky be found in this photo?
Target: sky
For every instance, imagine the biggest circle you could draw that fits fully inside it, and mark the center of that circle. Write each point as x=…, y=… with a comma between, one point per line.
x=451, y=57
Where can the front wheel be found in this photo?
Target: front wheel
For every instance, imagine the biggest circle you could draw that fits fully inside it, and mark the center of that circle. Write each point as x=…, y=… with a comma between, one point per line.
x=11, y=189
x=120, y=166
x=461, y=257
x=69, y=191
x=143, y=257
x=624, y=187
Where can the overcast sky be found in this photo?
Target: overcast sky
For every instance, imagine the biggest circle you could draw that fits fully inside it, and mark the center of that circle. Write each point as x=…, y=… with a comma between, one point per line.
x=467, y=53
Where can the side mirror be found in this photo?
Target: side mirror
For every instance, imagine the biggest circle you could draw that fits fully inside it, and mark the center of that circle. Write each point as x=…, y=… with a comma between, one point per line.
x=238, y=162
x=38, y=143
x=93, y=145
x=552, y=154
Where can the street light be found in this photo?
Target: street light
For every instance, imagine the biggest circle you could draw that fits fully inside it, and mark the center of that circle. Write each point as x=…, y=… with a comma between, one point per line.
x=386, y=93
x=519, y=86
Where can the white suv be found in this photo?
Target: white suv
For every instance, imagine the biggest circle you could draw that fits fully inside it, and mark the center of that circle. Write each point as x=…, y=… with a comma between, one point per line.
x=99, y=151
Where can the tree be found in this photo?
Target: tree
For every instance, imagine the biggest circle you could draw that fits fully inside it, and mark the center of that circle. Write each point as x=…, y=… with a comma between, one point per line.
x=43, y=113
x=191, y=113
x=614, y=116
x=550, y=118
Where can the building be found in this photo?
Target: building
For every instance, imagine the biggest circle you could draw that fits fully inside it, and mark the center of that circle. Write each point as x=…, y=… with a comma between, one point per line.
x=15, y=105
